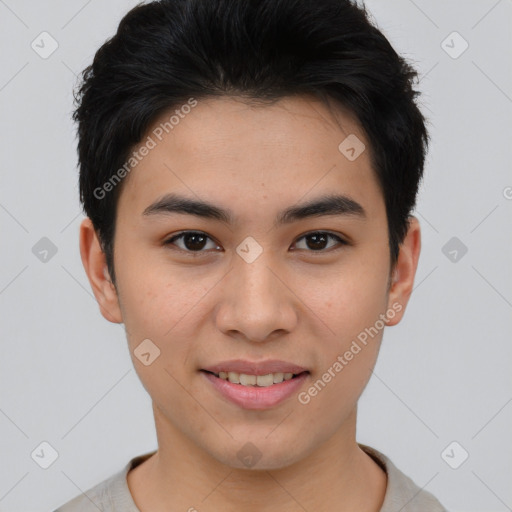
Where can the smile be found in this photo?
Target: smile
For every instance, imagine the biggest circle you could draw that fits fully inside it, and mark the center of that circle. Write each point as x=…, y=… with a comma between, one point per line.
x=255, y=392
x=255, y=380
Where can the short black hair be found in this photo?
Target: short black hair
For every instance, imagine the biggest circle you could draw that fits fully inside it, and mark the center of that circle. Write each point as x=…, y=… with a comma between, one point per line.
x=169, y=51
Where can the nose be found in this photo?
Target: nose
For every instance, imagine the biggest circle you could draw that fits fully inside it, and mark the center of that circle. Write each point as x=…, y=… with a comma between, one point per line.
x=256, y=302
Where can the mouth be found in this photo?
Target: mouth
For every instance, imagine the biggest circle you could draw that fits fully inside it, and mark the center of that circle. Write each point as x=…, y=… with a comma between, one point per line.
x=255, y=392
x=244, y=379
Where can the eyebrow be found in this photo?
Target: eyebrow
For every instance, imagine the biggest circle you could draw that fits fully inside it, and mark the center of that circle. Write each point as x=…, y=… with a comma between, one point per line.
x=322, y=206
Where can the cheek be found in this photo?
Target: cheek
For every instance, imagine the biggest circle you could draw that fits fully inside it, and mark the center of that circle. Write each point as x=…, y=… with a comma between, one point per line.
x=157, y=311
x=348, y=356
x=154, y=297
x=348, y=300
x=350, y=303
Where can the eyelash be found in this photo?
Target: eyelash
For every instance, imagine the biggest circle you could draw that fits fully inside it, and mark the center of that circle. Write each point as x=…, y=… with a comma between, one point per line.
x=171, y=241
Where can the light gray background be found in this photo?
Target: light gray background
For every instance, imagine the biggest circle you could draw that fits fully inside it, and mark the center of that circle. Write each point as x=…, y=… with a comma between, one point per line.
x=443, y=374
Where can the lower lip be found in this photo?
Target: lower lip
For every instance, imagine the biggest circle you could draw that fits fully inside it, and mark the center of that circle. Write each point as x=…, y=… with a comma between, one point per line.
x=256, y=397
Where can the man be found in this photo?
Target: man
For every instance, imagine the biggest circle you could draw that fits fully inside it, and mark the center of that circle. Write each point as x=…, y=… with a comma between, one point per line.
x=248, y=170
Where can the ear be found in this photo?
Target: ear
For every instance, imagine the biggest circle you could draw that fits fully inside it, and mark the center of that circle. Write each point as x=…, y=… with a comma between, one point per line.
x=95, y=265
x=402, y=279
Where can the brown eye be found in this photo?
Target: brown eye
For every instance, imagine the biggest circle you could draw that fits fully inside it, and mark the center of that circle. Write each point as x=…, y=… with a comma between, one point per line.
x=318, y=241
x=191, y=241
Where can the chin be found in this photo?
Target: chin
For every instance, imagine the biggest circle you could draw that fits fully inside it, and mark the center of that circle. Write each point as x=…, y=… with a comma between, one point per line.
x=259, y=456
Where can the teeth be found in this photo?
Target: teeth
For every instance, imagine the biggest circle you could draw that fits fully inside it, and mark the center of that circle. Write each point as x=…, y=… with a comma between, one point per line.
x=278, y=377
x=233, y=377
x=247, y=380
x=255, y=380
x=265, y=380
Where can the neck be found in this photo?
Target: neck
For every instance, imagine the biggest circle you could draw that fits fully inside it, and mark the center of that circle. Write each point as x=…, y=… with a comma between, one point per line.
x=338, y=475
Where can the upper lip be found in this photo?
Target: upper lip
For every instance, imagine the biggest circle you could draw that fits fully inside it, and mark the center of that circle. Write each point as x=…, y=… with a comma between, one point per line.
x=255, y=368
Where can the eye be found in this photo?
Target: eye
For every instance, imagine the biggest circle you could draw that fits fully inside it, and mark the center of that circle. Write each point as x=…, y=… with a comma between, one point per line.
x=196, y=241
x=317, y=240
x=191, y=241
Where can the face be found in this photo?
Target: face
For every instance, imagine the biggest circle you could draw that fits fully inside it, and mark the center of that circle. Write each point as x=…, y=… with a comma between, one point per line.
x=243, y=281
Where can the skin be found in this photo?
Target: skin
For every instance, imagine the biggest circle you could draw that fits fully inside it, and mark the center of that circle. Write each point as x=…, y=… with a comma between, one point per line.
x=302, y=306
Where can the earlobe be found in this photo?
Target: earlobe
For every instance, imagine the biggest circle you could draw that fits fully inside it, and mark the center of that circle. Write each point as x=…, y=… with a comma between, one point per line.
x=402, y=281
x=95, y=265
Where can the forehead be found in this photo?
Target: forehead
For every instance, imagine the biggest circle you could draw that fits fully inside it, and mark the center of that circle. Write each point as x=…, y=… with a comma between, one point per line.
x=233, y=149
